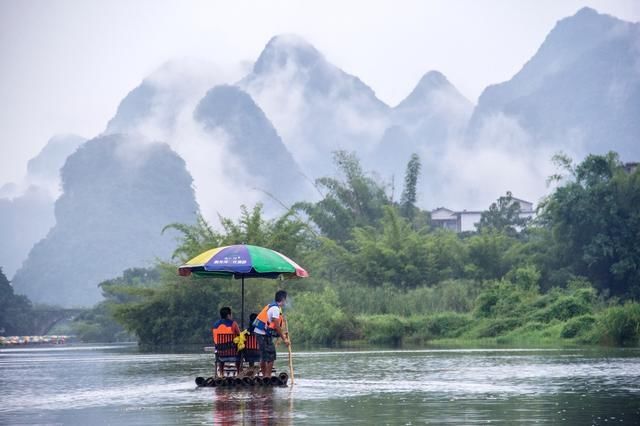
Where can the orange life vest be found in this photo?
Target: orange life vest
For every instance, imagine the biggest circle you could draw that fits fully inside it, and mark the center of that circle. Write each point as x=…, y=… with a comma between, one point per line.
x=262, y=320
x=222, y=327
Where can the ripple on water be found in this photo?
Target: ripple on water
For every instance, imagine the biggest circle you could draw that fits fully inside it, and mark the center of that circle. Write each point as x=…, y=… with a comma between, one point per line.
x=443, y=386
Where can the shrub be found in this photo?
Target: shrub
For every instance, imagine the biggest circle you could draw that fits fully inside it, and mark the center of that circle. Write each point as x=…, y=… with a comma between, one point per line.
x=525, y=277
x=495, y=327
x=620, y=325
x=317, y=318
x=567, y=307
x=447, y=324
x=578, y=326
x=384, y=329
x=485, y=304
x=531, y=327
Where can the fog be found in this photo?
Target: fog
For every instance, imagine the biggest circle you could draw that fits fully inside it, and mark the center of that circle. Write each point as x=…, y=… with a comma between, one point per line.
x=67, y=64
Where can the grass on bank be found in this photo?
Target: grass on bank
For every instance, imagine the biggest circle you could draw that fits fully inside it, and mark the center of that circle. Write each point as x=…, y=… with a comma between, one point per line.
x=503, y=314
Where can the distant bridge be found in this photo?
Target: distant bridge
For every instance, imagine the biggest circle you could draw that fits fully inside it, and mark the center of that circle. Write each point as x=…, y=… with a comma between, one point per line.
x=47, y=318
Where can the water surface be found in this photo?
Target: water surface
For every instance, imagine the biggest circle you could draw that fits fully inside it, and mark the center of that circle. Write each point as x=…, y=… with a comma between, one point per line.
x=119, y=385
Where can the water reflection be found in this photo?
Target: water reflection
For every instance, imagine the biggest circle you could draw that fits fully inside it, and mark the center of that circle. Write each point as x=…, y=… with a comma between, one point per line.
x=256, y=406
x=115, y=385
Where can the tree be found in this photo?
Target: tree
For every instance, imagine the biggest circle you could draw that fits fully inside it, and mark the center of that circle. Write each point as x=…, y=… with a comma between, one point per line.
x=287, y=233
x=503, y=216
x=354, y=200
x=16, y=313
x=177, y=310
x=409, y=196
x=594, y=217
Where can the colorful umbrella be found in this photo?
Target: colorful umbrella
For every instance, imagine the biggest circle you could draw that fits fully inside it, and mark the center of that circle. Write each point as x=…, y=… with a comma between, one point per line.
x=242, y=261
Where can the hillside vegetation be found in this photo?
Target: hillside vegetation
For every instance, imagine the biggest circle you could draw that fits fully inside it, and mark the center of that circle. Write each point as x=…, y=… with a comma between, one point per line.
x=380, y=273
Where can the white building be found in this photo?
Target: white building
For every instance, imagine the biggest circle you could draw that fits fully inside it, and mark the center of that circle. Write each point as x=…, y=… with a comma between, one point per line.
x=466, y=220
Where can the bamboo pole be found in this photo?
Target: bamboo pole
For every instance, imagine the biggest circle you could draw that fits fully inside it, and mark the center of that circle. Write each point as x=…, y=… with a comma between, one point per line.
x=289, y=347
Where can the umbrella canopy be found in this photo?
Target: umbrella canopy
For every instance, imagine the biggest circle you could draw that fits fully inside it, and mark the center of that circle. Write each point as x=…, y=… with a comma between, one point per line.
x=242, y=261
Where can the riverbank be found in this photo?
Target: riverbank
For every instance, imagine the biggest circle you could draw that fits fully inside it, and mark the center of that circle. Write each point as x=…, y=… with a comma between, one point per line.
x=615, y=326
x=34, y=340
x=501, y=314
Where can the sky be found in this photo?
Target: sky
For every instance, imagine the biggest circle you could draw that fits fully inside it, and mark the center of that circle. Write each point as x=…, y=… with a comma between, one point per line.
x=65, y=65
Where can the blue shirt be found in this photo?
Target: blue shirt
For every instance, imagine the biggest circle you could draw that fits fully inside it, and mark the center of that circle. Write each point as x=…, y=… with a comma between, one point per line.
x=220, y=322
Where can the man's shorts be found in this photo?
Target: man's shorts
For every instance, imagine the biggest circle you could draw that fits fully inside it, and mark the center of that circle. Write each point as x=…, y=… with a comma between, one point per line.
x=267, y=348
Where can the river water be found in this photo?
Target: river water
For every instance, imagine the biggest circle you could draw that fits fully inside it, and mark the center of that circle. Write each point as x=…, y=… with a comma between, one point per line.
x=92, y=385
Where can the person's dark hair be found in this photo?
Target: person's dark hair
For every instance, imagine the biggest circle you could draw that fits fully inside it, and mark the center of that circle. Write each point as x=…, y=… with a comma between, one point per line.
x=252, y=318
x=225, y=312
x=281, y=295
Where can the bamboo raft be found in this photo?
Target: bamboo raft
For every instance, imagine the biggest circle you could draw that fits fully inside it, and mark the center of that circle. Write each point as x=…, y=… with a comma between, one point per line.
x=249, y=376
x=280, y=380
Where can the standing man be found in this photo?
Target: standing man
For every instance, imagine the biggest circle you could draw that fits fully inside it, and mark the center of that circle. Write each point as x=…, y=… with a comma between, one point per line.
x=267, y=326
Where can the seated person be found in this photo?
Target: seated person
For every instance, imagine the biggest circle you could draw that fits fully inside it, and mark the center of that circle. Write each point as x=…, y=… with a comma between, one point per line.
x=252, y=318
x=249, y=331
x=225, y=325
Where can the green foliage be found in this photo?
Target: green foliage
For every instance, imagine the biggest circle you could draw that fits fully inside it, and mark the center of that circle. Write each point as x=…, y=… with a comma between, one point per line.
x=166, y=309
x=503, y=216
x=620, y=325
x=487, y=257
x=409, y=196
x=384, y=329
x=317, y=318
x=354, y=200
x=595, y=221
x=380, y=274
x=526, y=277
x=495, y=327
x=394, y=330
x=578, y=327
x=171, y=315
x=16, y=312
x=447, y=324
x=98, y=324
x=447, y=296
x=286, y=234
x=563, y=309
x=394, y=255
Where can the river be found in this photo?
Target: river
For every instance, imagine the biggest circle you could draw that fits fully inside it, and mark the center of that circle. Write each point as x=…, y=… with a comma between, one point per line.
x=93, y=385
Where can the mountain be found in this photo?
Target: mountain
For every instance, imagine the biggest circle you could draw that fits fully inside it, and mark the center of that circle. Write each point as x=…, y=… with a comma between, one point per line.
x=434, y=107
x=155, y=104
x=579, y=92
x=26, y=209
x=433, y=115
x=44, y=168
x=255, y=154
x=316, y=107
x=118, y=194
x=24, y=220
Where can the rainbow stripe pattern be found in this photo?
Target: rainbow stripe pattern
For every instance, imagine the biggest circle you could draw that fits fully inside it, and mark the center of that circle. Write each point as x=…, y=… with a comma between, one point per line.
x=242, y=260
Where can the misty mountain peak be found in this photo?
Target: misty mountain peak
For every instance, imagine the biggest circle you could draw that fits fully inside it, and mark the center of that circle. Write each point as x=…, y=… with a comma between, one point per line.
x=433, y=78
x=286, y=49
x=119, y=193
x=252, y=142
x=431, y=82
x=581, y=85
x=581, y=31
x=586, y=11
x=51, y=158
x=225, y=104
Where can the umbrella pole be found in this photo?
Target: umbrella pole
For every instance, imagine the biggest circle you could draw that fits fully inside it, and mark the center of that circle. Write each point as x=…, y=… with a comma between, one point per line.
x=242, y=304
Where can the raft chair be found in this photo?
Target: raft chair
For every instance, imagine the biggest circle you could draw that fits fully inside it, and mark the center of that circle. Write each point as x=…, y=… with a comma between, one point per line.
x=226, y=352
x=251, y=352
